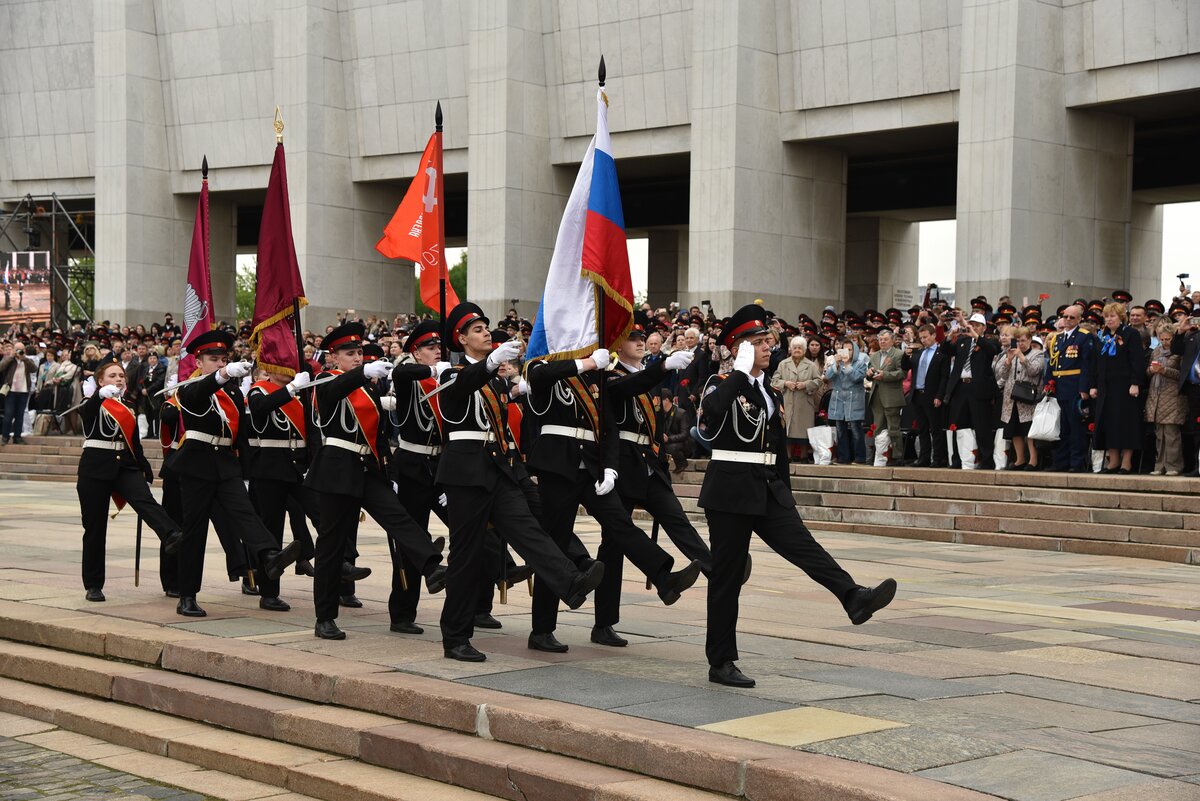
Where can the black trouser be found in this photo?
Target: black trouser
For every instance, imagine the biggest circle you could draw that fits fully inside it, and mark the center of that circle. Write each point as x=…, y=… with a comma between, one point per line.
x=272, y=499
x=94, y=496
x=419, y=501
x=785, y=533
x=931, y=428
x=168, y=564
x=508, y=507
x=663, y=505
x=338, y=525
x=983, y=421
x=1191, y=426
x=561, y=498
x=1072, y=448
x=228, y=504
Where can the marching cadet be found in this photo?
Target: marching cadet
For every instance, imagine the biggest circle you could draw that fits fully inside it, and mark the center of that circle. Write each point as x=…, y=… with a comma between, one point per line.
x=642, y=479
x=113, y=465
x=746, y=488
x=572, y=470
x=484, y=482
x=275, y=460
x=348, y=473
x=212, y=411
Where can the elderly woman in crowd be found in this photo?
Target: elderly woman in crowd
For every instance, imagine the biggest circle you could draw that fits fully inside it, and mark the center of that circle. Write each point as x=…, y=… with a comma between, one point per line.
x=1165, y=407
x=1120, y=365
x=1021, y=363
x=799, y=379
x=846, y=372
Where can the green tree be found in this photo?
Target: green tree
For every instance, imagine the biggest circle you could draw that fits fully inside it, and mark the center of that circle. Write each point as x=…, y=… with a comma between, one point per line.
x=244, y=283
x=458, y=280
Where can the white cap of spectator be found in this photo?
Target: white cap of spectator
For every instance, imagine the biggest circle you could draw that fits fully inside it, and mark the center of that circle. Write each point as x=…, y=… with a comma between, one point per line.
x=1038, y=341
x=977, y=318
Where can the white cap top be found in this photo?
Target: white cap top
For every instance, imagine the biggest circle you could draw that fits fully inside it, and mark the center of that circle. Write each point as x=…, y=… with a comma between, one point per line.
x=978, y=318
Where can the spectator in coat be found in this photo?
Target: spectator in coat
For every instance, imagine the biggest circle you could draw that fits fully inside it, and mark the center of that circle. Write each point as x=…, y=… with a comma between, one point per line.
x=846, y=372
x=1165, y=407
x=887, y=395
x=1119, y=369
x=800, y=380
x=971, y=389
x=1023, y=362
x=18, y=376
x=1186, y=345
x=674, y=428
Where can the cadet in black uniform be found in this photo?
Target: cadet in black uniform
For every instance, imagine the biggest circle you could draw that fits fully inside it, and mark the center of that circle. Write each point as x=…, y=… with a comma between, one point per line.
x=746, y=488
x=113, y=465
x=484, y=482
x=212, y=411
x=572, y=471
x=348, y=473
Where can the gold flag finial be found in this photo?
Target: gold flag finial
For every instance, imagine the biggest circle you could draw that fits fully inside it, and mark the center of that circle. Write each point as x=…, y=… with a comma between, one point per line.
x=278, y=126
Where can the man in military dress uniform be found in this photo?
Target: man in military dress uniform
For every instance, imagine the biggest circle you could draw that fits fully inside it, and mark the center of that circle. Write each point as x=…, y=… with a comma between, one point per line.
x=349, y=473
x=213, y=415
x=572, y=470
x=747, y=489
x=1072, y=367
x=484, y=483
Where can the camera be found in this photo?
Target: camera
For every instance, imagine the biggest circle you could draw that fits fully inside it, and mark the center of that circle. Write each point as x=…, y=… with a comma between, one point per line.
x=706, y=303
x=1182, y=276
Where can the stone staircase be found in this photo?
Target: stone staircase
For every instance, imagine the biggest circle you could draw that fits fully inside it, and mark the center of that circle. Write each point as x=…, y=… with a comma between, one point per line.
x=339, y=730
x=55, y=458
x=1147, y=517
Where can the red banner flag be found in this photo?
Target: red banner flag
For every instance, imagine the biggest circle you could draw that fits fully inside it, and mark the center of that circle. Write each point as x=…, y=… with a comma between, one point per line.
x=416, y=231
x=198, y=317
x=278, y=288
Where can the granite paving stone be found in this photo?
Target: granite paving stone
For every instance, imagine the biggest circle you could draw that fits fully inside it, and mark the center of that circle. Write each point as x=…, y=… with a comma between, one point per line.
x=1146, y=758
x=909, y=749
x=238, y=627
x=581, y=686
x=1034, y=776
x=1088, y=696
x=887, y=682
x=793, y=727
x=704, y=708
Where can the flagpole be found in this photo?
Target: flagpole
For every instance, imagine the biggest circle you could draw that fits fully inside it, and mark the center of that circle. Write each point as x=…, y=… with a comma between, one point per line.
x=443, y=270
x=301, y=362
x=601, y=400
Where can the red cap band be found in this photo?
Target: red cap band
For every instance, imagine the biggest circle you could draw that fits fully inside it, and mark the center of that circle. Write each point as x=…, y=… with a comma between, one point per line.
x=421, y=340
x=743, y=328
x=212, y=346
x=351, y=339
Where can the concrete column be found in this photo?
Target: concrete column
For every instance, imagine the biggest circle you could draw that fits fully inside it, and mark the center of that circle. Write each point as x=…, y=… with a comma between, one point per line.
x=517, y=197
x=881, y=257
x=862, y=263
x=1044, y=193
x=763, y=214
x=1145, y=251
x=662, y=267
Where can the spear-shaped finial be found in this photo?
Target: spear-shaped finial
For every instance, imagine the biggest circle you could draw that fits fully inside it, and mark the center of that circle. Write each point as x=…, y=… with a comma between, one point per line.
x=278, y=126
x=602, y=71
x=204, y=167
x=437, y=117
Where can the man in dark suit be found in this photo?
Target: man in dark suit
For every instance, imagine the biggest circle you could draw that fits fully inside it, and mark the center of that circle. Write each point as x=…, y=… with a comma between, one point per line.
x=930, y=366
x=972, y=379
x=1186, y=345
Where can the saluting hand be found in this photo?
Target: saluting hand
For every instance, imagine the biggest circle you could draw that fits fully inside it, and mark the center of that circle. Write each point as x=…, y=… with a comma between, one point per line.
x=744, y=361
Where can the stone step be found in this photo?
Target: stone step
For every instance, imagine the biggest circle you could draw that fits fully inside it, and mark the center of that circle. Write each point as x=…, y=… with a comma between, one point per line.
x=311, y=723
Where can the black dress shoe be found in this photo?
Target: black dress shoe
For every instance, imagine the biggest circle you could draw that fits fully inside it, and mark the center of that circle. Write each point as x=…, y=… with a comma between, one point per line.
x=406, y=627
x=729, y=675
x=353, y=572
x=435, y=582
x=464, y=653
x=516, y=575
x=749, y=567
x=938, y=465
x=604, y=635
x=349, y=601
x=677, y=582
x=171, y=593
x=328, y=630
x=919, y=463
x=275, y=604
x=247, y=589
x=1079, y=470
x=95, y=594
x=486, y=621
x=171, y=542
x=1123, y=471
x=584, y=583
x=277, y=561
x=188, y=607
x=546, y=642
x=304, y=567
x=866, y=601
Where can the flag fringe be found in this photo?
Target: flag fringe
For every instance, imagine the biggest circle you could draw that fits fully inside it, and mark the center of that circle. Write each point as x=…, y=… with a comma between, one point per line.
x=256, y=338
x=616, y=297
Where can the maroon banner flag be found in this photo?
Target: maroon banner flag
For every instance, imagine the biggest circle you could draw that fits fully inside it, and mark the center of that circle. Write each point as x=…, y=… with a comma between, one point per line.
x=279, y=291
x=198, y=317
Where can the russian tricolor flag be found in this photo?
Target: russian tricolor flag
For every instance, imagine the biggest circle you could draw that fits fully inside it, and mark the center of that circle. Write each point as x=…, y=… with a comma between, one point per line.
x=590, y=260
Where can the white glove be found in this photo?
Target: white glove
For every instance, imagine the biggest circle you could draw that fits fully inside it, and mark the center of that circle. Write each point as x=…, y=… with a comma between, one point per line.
x=395, y=488
x=520, y=388
x=377, y=369
x=605, y=486
x=89, y=387
x=110, y=391
x=172, y=382
x=504, y=352
x=245, y=385
x=679, y=359
x=443, y=500
x=246, y=484
x=744, y=361
x=440, y=368
x=601, y=357
x=238, y=369
x=388, y=402
x=299, y=382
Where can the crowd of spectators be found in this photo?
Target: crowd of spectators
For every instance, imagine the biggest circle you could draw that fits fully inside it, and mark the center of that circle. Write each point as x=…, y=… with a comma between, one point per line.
x=916, y=374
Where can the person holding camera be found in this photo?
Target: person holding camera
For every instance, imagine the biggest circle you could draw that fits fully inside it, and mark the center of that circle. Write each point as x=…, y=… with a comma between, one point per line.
x=1019, y=373
x=1186, y=345
x=971, y=388
x=18, y=373
x=846, y=372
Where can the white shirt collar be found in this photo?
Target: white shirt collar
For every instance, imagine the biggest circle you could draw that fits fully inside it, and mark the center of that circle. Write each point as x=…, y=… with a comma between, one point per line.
x=631, y=368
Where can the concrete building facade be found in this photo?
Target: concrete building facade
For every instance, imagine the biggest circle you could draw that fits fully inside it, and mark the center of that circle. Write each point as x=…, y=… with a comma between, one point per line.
x=781, y=149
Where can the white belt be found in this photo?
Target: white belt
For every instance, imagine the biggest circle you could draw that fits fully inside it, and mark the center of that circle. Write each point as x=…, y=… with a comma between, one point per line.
x=104, y=444
x=568, y=431
x=746, y=457
x=637, y=439
x=277, y=443
x=200, y=436
x=425, y=450
x=478, y=436
x=347, y=445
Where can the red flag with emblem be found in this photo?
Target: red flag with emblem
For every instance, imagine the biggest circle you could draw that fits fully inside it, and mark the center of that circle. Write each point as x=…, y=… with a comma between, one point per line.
x=198, y=317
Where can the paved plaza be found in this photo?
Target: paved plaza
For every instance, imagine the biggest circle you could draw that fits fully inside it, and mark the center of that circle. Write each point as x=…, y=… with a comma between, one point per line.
x=1033, y=675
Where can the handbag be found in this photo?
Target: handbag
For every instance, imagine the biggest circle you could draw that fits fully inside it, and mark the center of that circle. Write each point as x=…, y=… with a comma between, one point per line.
x=1025, y=392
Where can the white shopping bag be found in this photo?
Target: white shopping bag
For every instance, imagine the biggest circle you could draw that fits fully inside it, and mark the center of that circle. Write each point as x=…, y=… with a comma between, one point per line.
x=1000, y=450
x=966, y=447
x=822, y=439
x=1097, y=461
x=1045, y=421
x=883, y=447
